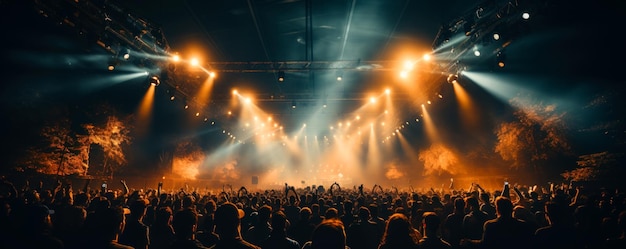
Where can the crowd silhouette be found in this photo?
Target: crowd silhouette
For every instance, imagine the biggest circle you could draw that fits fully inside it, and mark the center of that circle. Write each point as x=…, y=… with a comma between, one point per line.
x=516, y=216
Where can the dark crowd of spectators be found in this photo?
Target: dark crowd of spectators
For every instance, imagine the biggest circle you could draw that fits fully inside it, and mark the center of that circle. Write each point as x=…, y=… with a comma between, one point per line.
x=517, y=216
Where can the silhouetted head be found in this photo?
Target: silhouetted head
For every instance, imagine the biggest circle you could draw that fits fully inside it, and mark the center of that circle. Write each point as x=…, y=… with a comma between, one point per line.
x=329, y=234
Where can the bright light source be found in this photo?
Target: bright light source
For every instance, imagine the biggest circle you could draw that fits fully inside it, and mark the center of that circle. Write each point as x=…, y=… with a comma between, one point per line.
x=235, y=92
x=525, y=15
x=154, y=80
x=408, y=65
x=477, y=52
x=281, y=76
x=194, y=62
x=212, y=74
x=126, y=56
x=339, y=78
x=426, y=57
x=372, y=100
x=452, y=78
x=496, y=36
x=176, y=58
x=387, y=91
x=248, y=100
x=404, y=74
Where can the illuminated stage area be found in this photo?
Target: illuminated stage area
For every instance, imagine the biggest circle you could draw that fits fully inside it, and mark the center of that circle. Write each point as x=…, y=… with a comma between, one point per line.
x=400, y=94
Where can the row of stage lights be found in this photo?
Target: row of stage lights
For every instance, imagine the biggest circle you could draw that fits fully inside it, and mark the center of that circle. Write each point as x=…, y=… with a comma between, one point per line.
x=195, y=62
x=335, y=129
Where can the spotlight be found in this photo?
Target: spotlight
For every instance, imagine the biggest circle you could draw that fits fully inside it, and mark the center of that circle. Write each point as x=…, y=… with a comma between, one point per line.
x=293, y=104
x=126, y=55
x=195, y=62
x=404, y=74
x=525, y=15
x=496, y=36
x=500, y=57
x=112, y=64
x=154, y=80
x=281, y=76
x=453, y=78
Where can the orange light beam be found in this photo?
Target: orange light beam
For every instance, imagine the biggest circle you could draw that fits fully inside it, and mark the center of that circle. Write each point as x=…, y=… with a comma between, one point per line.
x=468, y=110
x=145, y=110
x=429, y=125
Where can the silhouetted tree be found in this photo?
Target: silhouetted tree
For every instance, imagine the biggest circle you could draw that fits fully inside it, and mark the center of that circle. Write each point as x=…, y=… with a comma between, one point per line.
x=112, y=136
x=534, y=138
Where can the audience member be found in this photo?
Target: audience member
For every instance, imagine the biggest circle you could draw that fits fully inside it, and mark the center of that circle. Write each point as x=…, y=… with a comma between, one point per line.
x=431, y=227
x=399, y=233
x=278, y=237
x=227, y=226
x=330, y=234
x=185, y=223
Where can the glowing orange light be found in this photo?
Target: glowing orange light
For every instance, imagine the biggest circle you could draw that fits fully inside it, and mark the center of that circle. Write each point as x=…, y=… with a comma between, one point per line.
x=387, y=91
x=427, y=57
x=235, y=92
x=194, y=62
x=408, y=65
x=372, y=100
x=176, y=58
x=404, y=74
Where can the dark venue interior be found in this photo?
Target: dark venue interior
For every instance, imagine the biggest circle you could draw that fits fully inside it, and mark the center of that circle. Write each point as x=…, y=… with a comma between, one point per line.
x=398, y=96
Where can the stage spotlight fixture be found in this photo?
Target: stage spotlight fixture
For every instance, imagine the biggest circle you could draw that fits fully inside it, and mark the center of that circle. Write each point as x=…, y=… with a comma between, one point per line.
x=468, y=26
x=525, y=15
x=476, y=51
x=112, y=64
x=500, y=59
x=281, y=76
x=496, y=36
x=126, y=55
x=293, y=104
x=154, y=80
x=453, y=78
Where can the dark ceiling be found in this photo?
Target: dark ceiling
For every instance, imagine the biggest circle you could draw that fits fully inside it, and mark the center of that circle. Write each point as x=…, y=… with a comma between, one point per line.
x=249, y=42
